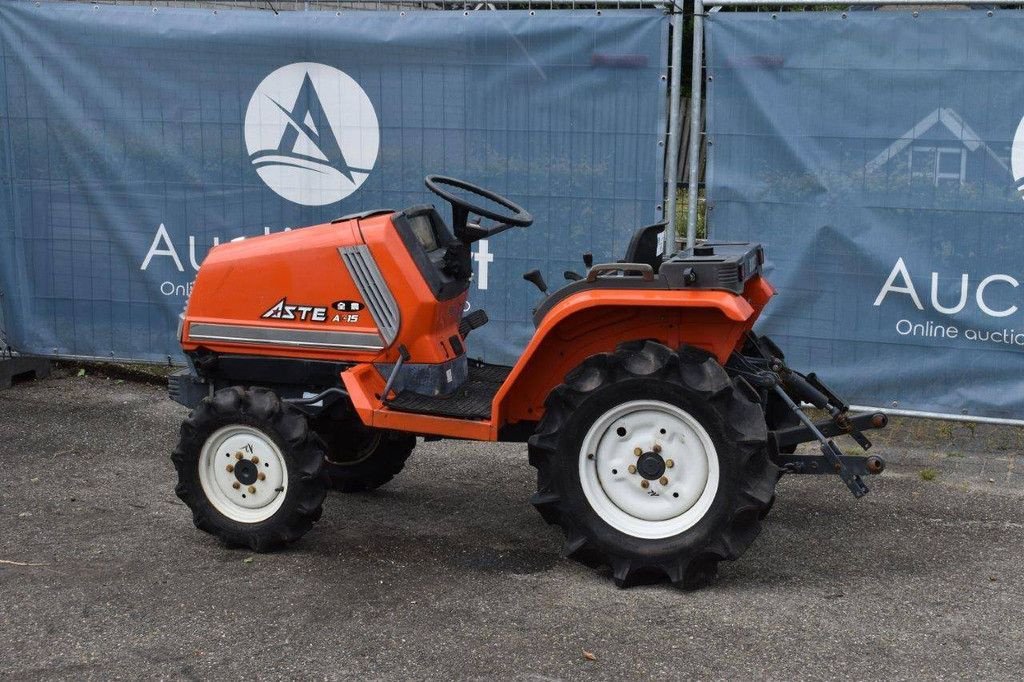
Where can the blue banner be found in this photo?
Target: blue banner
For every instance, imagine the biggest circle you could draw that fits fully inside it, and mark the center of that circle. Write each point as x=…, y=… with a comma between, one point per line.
x=135, y=139
x=878, y=155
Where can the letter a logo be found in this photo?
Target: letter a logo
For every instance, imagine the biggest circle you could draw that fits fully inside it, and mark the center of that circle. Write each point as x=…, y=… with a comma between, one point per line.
x=312, y=133
x=1017, y=158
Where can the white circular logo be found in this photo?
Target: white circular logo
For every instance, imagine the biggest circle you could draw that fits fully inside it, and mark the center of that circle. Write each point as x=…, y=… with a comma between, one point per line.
x=311, y=133
x=1017, y=158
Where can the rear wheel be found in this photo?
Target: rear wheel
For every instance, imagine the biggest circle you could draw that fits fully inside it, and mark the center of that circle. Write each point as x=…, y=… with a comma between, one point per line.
x=360, y=458
x=249, y=468
x=654, y=462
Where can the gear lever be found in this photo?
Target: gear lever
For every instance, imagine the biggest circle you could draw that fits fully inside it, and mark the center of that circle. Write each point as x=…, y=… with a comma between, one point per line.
x=537, y=279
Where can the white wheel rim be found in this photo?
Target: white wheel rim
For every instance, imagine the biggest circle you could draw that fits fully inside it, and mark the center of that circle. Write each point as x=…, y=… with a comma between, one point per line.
x=670, y=503
x=230, y=465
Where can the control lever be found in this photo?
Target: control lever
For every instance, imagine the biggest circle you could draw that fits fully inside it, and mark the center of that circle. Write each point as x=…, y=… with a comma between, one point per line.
x=537, y=279
x=477, y=318
x=572, y=276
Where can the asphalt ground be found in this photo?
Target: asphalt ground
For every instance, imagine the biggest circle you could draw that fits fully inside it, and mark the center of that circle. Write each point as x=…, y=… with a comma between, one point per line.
x=448, y=573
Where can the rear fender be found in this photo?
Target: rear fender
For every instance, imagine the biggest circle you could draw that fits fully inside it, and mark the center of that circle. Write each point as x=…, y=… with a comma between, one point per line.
x=592, y=322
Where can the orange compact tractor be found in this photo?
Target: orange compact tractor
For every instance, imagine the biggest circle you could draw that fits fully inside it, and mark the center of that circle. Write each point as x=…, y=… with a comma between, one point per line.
x=658, y=422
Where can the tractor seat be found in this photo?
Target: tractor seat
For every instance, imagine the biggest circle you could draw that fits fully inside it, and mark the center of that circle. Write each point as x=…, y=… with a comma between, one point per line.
x=643, y=247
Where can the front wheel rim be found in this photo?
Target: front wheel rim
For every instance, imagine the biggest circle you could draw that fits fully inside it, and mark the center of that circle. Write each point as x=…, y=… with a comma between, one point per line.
x=243, y=473
x=649, y=469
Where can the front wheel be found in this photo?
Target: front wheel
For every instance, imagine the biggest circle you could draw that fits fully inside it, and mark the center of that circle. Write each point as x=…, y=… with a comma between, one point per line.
x=654, y=462
x=249, y=468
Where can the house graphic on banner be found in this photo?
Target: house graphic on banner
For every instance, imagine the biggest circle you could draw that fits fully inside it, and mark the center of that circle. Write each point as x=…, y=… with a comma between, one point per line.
x=942, y=149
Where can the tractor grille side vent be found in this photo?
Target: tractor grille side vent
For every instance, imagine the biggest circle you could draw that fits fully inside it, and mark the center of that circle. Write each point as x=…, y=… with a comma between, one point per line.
x=365, y=273
x=728, y=276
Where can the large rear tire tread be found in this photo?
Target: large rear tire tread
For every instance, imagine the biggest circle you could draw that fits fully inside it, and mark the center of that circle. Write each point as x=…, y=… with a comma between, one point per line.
x=728, y=409
x=301, y=447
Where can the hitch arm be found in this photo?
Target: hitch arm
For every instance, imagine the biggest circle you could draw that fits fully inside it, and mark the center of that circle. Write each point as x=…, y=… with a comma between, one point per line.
x=828, y=448
x=816, y=464
x=794, y=435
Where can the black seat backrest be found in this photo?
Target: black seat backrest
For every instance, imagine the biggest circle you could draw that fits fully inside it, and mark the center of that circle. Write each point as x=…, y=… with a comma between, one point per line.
x=643, y=247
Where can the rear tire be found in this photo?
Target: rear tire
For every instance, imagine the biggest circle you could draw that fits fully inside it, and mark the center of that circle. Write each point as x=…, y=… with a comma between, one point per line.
x=250, y=469
x=702, y=509
x=360, y=459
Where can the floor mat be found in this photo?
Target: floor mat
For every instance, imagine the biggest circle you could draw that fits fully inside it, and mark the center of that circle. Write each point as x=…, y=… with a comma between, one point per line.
x=472, y=400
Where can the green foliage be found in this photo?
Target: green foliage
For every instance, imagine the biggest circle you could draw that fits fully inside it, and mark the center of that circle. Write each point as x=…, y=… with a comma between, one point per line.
x=682, y=202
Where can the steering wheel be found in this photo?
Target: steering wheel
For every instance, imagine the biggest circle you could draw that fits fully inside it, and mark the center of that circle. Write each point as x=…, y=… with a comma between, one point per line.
x=461, y=208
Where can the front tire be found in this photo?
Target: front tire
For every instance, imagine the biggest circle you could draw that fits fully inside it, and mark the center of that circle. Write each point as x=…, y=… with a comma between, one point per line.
x=654, y=462
x=250, y=469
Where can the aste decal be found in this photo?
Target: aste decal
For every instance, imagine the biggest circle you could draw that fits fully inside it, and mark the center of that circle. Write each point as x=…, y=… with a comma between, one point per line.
x=282, y=310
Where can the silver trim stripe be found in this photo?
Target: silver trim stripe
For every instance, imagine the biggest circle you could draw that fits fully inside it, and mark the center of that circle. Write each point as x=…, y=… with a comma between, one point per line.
x=365, y=273
x=307, y=338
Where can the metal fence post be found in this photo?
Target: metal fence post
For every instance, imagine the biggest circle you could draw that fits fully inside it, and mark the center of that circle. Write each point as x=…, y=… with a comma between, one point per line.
x=672, y=147
x=696, y=90
x=3, y=330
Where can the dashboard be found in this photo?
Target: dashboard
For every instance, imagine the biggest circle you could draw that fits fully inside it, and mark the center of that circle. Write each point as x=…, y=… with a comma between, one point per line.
x=423, y=229
x=443, y=261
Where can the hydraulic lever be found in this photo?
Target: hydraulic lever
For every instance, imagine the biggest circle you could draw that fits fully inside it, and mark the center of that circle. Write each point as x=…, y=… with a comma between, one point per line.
x=588, y=262
x=537, y=279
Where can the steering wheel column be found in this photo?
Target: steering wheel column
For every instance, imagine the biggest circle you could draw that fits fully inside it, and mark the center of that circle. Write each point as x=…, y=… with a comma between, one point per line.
x=466, y=231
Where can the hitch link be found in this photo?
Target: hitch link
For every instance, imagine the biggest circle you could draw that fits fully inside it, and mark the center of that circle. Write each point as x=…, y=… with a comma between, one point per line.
x=828, y=448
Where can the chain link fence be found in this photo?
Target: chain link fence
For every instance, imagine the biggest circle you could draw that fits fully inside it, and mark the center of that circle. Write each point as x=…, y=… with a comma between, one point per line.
x=378, y=5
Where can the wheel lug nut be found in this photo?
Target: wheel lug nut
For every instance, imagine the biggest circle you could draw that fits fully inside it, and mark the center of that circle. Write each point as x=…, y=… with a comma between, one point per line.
x=669, y=463
x=252, y=489
x=230, y=468
x=236, y=485
x=238, y=455
x=644, y=483
x=637, y=452
x=262, y=476
x=632, y=469
x=255, y=460
x=656, y=448
x=663, y=480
